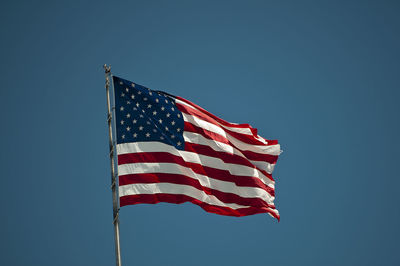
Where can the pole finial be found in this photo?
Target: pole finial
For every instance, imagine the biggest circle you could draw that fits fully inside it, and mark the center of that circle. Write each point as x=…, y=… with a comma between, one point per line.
x=107, y=69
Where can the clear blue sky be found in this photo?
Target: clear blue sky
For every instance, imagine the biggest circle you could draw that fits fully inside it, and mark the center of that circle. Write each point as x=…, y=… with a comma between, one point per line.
x=320, y=76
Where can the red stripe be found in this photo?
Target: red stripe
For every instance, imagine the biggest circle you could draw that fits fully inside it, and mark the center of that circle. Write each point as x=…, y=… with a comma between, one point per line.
x=223, y=175
x=185, y=180
x=178, y=199
x=249, y=139
x=216, y=137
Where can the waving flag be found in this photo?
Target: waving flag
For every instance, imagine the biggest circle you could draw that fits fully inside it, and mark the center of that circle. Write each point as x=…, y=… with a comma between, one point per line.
x=171, y=150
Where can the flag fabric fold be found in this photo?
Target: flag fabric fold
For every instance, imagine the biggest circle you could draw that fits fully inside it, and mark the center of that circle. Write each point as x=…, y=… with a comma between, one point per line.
x=172, y=150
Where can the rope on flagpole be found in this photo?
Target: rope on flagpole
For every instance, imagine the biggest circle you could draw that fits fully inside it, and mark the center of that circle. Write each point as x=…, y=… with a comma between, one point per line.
x=108, y=76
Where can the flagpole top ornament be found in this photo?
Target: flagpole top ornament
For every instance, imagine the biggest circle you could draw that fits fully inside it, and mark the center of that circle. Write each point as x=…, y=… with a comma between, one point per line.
x=107, y=69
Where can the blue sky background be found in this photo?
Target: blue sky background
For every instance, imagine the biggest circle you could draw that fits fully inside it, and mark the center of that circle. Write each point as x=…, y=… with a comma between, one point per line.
x=320, y=76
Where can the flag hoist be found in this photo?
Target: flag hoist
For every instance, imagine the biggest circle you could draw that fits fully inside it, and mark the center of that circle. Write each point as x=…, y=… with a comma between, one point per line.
x=108, y=76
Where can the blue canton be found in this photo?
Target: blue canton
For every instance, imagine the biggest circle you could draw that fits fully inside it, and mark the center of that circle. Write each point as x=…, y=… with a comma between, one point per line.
x=146, y=115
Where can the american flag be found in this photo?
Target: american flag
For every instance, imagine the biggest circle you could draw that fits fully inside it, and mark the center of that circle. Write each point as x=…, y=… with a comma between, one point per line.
x=171, y=150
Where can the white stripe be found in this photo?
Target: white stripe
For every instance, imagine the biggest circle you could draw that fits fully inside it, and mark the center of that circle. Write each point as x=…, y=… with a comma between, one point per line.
x=261, y=139
x=266, y=166
x=271, y=149
x=137, y=189
x=219, y=146
x=234, y=169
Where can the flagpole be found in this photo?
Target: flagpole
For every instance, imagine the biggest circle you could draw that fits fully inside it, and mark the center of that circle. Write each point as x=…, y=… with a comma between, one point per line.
x=107, y=71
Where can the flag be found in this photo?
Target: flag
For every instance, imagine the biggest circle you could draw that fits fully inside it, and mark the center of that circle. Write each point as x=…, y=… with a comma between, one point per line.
x=172, y=150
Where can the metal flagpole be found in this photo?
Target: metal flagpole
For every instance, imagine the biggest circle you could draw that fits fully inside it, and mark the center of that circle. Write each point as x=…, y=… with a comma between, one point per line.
x=107, y=71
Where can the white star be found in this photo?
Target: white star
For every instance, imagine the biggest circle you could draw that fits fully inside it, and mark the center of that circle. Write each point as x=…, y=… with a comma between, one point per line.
x=179, y=143
x=145, y=98
x=172, y=136
x=139, y=92
x=154, y=130
x=155, y=112
x=162, y=108
x=128, y=102
x=150, y=93
x=160, y=121
x=123, y=136
x=173, y=123
x=161, y=137
x=166, y=101
x=120, y=83
x=157, y=100
x=172, y=108
x=128, y=129
x=140, y=128
x=134, y=121
x=168, y=115
x=166, y=128
x=148, y=135
x=179, y=115
x=137, y=104
x=133, y=85
x=128, y=115
x=149, y=106
x=141, y=116
x=134, y=135
x=122, y=94
x=126, y=89
x=122, y=122
x=142, y=111
x=148, y=122
x=122, y=108
x=133, y=96
x=134, y=108
x=178, y=129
